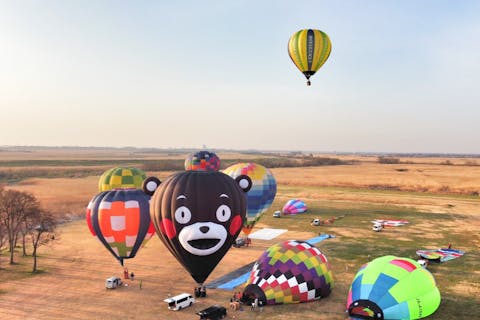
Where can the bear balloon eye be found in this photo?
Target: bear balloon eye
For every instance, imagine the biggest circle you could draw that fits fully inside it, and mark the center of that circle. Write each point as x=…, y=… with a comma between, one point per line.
x=183, y=215
x=223, y=213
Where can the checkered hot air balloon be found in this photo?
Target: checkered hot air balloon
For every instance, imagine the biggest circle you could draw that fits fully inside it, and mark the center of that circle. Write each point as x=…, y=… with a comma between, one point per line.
x=294, y=206
x=262, y=193
x=390, y=287
x=290, y=272
x=121, y=177
x=120, y=220
x=202, y=161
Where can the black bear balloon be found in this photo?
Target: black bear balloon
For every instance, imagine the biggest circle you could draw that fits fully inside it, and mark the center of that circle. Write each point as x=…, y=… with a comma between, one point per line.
x=198, y=215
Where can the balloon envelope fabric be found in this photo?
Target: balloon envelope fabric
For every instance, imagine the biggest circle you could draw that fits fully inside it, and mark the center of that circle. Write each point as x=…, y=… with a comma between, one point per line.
x=121, y=177
x=292, y=271
x=120, y=220
x=294, y=206
x=262, y=193
x=392, y=288
x=202, y=161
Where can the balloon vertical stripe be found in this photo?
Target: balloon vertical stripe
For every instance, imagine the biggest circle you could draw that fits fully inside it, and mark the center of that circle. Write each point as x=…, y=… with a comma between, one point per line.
x=294, y=51
x=310, y=48
x=326, y=46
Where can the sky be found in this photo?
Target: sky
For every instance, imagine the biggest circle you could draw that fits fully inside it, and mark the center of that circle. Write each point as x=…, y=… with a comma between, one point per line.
x=403, y=75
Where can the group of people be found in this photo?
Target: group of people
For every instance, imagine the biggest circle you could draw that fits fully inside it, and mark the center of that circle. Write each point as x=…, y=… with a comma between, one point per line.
x=200, y=292
x=257, y=304
x=237, y=300
x=126, y=275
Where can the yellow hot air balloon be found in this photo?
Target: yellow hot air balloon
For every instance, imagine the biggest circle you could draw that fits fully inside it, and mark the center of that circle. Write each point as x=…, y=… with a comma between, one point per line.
x=309, y=49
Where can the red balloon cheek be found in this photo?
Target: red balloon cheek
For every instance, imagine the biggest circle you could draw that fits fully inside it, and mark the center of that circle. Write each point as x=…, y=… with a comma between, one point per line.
x=168, y=228
x=235, y=225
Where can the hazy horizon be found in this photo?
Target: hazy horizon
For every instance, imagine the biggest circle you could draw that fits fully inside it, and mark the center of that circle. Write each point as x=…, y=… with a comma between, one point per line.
x=402, y=76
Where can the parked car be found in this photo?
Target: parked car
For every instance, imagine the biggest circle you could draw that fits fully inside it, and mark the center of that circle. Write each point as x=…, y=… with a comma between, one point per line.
x=213, y=313
x=180, y=302
x=113, y=282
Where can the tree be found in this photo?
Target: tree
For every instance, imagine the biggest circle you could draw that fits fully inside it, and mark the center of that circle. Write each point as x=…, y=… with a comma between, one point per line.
x=15, y=206
x=41, y=228
x=3, y=237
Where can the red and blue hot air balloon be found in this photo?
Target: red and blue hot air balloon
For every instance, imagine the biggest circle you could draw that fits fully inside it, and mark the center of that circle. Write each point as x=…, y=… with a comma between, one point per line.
x=120, y=219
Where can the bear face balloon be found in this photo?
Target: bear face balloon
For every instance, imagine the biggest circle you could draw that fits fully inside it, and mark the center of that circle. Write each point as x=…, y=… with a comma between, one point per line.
x=198, y=215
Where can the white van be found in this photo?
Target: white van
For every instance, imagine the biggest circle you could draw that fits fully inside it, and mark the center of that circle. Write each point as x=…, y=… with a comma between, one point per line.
x=113, y=282
x=179, y=302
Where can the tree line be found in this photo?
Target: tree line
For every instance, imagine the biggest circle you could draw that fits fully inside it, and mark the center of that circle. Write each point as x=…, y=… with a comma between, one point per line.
x=24, y=224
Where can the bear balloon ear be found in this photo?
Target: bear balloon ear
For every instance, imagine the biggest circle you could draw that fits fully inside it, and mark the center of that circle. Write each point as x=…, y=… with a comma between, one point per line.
x=244, y=182
x=150, y=184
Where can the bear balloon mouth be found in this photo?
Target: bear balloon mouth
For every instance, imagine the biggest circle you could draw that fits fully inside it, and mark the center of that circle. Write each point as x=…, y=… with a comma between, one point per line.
x=203, y=244
x=203, y=238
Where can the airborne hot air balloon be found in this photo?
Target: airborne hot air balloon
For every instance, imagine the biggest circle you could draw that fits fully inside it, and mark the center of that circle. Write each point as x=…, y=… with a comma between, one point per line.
x=202, y=161
x=392, y=288
x=294, y=206
x=290, y=272
x=198, y=215
x=121, y=177
x=262, y=193
x=120, y=219
x=309, y=49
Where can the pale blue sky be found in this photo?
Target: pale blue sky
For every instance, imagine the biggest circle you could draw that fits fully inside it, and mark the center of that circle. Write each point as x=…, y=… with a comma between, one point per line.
x=403, y=76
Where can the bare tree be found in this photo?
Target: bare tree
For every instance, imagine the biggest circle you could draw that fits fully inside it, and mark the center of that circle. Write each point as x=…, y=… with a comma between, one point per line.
x=15, y=206
x=41, y=228
x=3, y=237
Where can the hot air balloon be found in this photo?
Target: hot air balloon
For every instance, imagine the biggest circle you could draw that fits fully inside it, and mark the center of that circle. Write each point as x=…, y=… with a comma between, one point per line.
x=198, y=215
x=390, y=287
x=121, y=177
x=289, y=272
x=262, y=193
x=309, y=49
x=120, y=219
x=294, y=206
x=202, y=161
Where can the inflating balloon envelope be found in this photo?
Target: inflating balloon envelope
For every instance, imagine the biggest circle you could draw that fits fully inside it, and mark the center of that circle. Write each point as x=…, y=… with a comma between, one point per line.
x=390, y=287
x=294, y=206
x=289, y=272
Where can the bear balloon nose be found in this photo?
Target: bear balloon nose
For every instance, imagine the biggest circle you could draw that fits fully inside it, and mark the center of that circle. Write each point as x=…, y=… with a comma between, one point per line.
x=204, y=229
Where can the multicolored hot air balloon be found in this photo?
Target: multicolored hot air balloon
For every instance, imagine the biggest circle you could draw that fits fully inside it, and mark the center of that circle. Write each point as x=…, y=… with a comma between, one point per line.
x=202, y=161
x=262, y=193
x=290, y=272
x=121, y=177
x=294, y=206
x=309, y=49
x=392, y=288
x=198, y=215
x=120, y=219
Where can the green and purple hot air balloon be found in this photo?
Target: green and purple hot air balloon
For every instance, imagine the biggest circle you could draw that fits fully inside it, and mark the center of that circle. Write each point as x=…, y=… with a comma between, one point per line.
x=121, y=178
x=292, y=271
x=390, y=287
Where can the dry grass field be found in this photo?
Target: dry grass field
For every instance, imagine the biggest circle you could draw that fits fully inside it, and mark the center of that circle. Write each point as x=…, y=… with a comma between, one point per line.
x=440, y=201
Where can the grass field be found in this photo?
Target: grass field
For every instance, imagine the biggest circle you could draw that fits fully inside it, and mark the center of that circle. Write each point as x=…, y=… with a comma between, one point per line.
x=73, y=269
